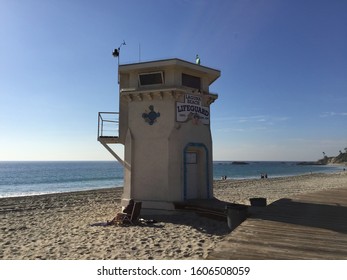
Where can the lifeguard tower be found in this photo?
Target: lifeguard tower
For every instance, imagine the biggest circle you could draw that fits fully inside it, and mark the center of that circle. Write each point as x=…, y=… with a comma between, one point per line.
x=164, y=125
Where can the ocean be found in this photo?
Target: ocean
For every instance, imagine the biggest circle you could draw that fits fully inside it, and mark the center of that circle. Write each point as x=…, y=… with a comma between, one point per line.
x=34, y=178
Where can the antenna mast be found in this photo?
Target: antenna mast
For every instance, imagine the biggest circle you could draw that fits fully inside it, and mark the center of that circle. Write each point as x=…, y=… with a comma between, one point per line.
x=139, y=52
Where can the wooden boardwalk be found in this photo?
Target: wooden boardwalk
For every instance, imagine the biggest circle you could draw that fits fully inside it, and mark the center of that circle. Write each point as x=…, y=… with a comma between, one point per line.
x=311, y=226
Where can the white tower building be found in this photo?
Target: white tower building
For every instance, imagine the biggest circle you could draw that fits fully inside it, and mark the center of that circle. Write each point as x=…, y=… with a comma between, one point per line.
x=164, y=125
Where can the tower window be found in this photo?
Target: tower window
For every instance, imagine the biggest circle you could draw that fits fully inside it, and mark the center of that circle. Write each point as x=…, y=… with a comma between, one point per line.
x=154, y=78
x=191, y=81
x=191, y=157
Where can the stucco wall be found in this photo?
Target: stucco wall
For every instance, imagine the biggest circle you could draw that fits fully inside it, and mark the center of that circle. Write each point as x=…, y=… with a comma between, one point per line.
x=157, y=151
x=150, y=148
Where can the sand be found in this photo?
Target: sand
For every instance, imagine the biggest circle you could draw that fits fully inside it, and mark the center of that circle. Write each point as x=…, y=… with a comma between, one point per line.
x=69, y=226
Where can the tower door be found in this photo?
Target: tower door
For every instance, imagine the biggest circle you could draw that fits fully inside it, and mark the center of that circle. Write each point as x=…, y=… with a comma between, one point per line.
x=192, y=175
x=196, y=172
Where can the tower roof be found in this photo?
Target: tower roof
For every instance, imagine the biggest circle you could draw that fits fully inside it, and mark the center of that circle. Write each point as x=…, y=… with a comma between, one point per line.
x=212, y=74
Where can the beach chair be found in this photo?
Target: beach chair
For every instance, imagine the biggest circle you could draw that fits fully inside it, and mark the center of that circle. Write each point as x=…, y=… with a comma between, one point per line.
x=134, y=215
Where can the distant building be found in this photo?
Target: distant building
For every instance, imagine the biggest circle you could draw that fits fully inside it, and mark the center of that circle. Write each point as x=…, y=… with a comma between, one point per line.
x=164, y=125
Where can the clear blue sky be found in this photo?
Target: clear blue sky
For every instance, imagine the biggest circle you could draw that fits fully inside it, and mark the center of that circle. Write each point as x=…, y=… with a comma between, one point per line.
x=282, y=92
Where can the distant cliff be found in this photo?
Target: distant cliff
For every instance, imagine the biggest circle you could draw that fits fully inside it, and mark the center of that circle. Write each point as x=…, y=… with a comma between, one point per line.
x=341, y=158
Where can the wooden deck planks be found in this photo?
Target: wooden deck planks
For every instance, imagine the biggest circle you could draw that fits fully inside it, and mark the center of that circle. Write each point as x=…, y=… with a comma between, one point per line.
x=310, y=226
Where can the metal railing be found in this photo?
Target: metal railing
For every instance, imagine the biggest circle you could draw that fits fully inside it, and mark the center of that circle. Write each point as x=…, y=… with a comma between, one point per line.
x=108, y=124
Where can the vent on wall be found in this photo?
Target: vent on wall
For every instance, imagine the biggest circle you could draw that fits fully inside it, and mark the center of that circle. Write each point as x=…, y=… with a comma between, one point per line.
x=154, y=78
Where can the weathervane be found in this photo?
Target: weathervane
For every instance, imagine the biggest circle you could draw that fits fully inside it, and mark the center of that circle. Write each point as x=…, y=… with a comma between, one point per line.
x=116, y=53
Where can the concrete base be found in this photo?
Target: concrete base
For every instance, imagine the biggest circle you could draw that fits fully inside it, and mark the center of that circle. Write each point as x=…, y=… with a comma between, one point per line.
x=153, y=205
x=158, y=205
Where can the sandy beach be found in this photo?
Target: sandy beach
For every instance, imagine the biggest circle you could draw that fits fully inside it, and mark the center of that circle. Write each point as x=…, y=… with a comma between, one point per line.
x=68, y=225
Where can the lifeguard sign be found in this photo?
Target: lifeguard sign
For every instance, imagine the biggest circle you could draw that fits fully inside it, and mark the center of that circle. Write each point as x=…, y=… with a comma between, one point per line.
x=192, y=109
x=164, y=125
